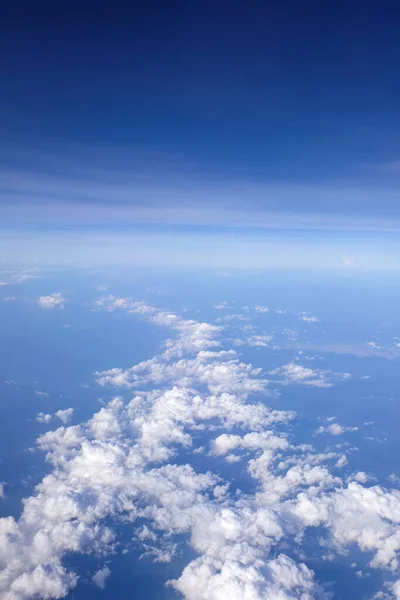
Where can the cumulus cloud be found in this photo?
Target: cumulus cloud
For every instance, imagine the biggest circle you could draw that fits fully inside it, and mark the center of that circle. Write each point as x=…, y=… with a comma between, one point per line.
x=232, y=317
x=335, y=429
x=373, y=344
x=65, y=415
x=43, y=418
x=52, y=301
x=101, y=576
x=294, y=373
x=222, y=306
x=261, y=340
x=361, y=477
x=120, y=464
x=261, y=309
x=307, y=319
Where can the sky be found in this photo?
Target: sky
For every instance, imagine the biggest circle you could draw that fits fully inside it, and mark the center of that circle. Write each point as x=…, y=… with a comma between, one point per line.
x=200, y=333
x=264, y=134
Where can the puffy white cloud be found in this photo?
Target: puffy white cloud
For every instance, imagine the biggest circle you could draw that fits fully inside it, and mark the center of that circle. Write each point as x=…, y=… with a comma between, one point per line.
x=253, y=441
x=120, y=465
x=373, y=345
x=101, y=576
x=294, y=373
x=396, y=589
x=222, y=306
x=261, y=309
x=193, y=336
x=361, y=477
x=232, y=317
x=335, y=429
x=281, y=578
x=52, y=301
x=255, y=340
x=341, y=462
x=43, y=418
x=368, y=517
x=307, y=319
x=65, y=415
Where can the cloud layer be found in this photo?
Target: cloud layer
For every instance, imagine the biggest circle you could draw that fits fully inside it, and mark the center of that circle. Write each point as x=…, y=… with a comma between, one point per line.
x=132, y=463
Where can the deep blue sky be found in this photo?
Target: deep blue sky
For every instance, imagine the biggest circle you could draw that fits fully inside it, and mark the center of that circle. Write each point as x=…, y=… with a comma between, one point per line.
x=272, y=107
x=271, y=86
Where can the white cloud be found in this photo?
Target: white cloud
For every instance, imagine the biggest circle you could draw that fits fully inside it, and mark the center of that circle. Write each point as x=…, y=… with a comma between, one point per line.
x=362, y=575
x=13, y=298
x=294, y=373
x=361, y=477
x=373, y=345
x=222, y=306
x=341, y=462
x=52, y=301
x=24, y=276
x=307, y=319
x=232, y=317
x=368, y=517
x=396, y=589
x=335, y=429
x=261, y=309
x=101, y=576
x=2, y=494
x=254, y=340
x=65, y=415
x=120, y=463
x=43, y=418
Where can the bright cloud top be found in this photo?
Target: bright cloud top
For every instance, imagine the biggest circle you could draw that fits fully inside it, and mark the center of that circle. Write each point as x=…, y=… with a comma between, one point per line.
x=122, y=464
x=55, y=300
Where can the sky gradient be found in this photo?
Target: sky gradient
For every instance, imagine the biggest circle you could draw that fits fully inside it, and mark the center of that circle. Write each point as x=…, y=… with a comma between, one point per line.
x=183, y=131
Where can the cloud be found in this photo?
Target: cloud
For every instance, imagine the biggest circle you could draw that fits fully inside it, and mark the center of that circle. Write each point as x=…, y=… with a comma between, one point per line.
x=23, y=277
x=232, y=317
x=43, y=418
x=260, y=340
x=294, y=373
x=335, y=429
x=146, y=194
x=261, y=309
x=52, y=301
x=132, y=460
x=362, y=477
x=373, y=345
x=309, y=319
x=65, y=415
x=101, y=576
